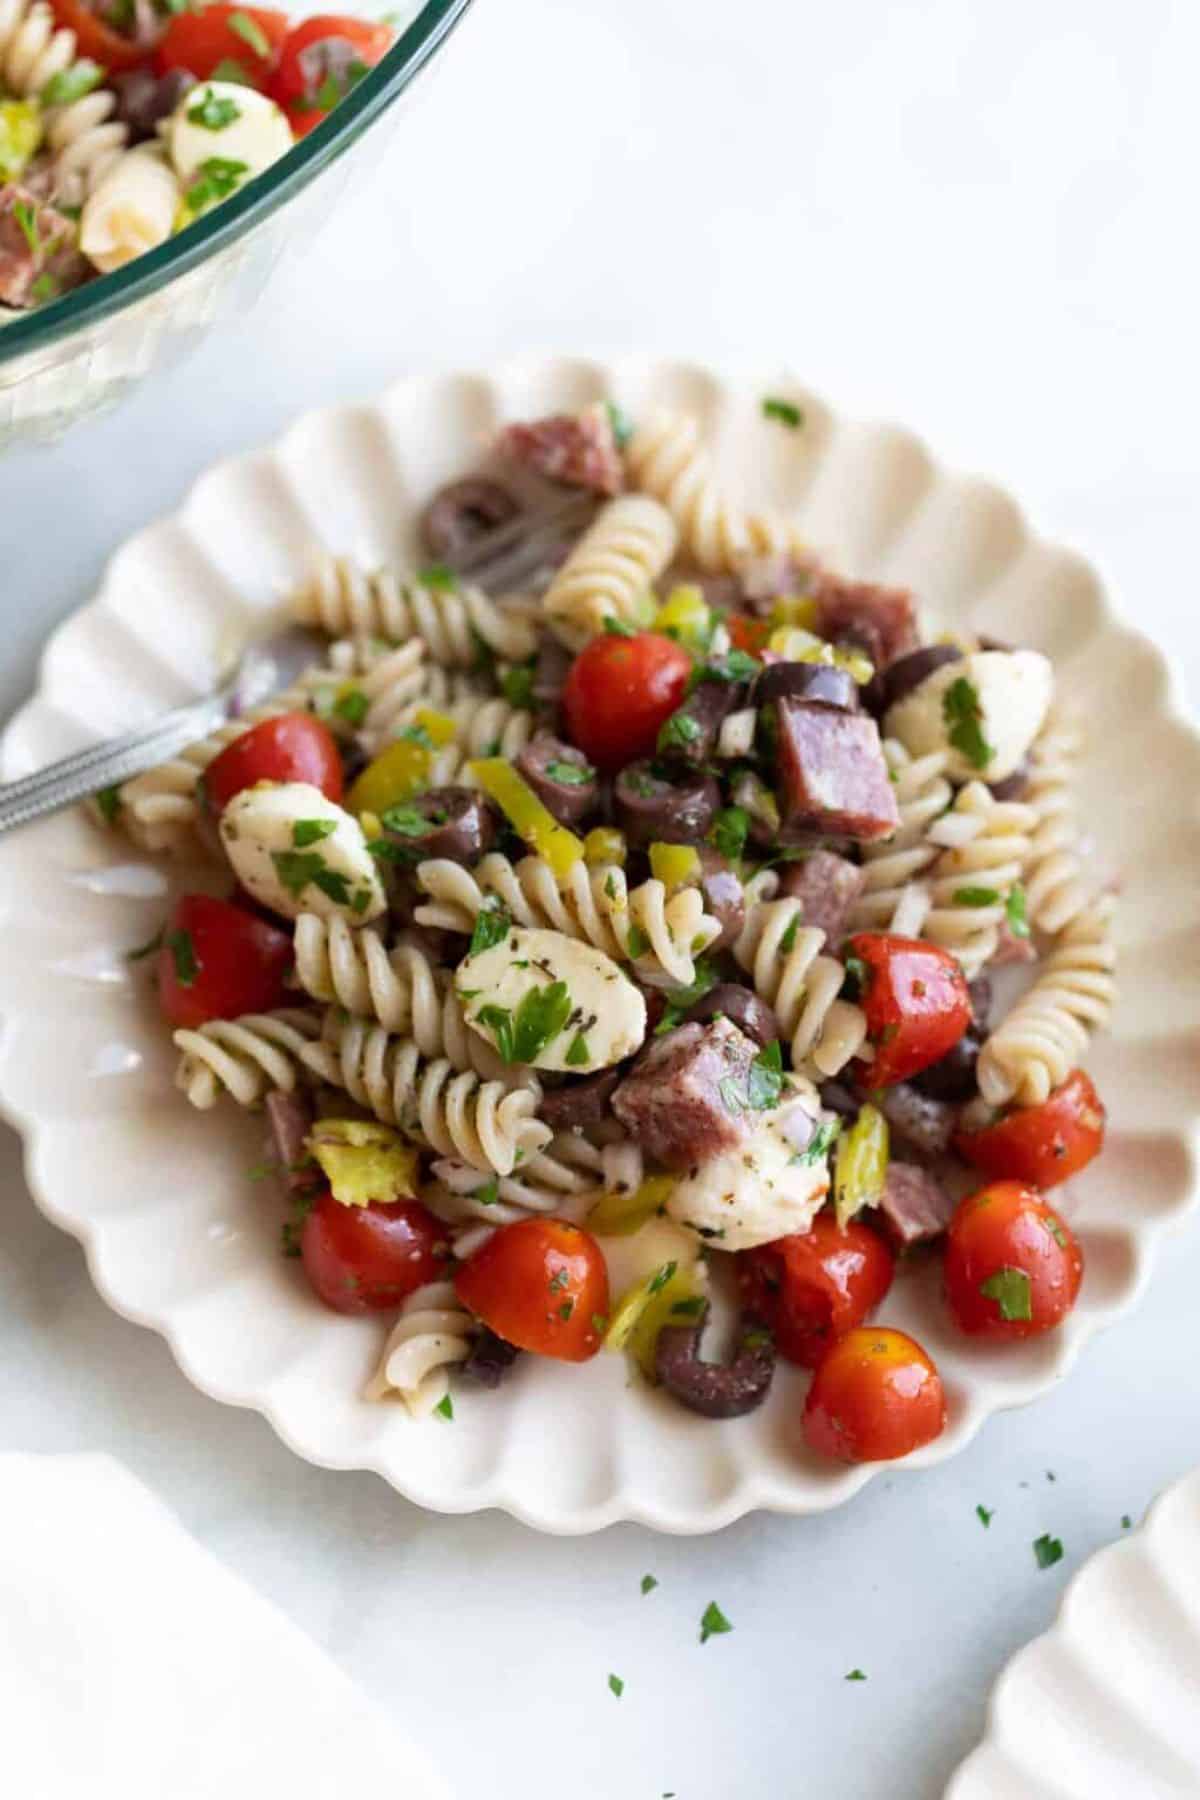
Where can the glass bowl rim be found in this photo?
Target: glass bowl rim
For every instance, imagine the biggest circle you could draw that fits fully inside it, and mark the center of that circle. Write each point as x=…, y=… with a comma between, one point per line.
x=108, y=295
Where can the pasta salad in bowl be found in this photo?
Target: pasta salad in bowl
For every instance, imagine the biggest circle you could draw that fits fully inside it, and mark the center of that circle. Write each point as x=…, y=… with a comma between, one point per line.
x=665, y=980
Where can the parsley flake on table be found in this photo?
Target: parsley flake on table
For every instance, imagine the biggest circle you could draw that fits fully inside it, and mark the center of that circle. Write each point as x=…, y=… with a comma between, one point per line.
x=784, y=411
x=649, y=1583
x=985, y=1514
x=616, y=1685
x=713, y=1622
x=963, y=716
x=1126, y=1522
x=1012, y=1292
x=1047, y=1551
x=856, y=1675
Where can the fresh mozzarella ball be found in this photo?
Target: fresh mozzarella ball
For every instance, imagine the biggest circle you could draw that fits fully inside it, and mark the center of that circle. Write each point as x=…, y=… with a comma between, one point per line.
x=606, y=1018
x=244, y=127
x=763, y=1189
x=131, y=210
x=297, y=851
x=1012, y=690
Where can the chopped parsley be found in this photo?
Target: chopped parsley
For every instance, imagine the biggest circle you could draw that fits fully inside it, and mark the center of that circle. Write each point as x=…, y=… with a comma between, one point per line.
x=417, y=734
x=1014, y=912
x=682, y=999
x=489, y=1193
x=858, y=973
x=216, y=179
x=622, y=424
x=661, y=1277
x=537, y=1021
x=333, y=89
x=492, y=924
x=616, y=1685
x=352, y=706
x=856, y=1675
x=405, y=821
x=963, y=716
x=985, y=1515
x=297, y=868
x=578, y=1055
x=46, y=287
x=618, y=627
x=250, y=32
x=735, y=665
x=571, y=774
x=649, y=1583
x=311, y=831
x=819, y=1144
x=784, y=411
x=1056, y=1231
x=1012, y=1292
x=765, y=1083
x=109, y=802
x=637, y=943
x=558, y=1281
x=599, y=1323
x=788, y=940
x=73, y=83
x=229, y=68
x=679, y=731
x=214, y=111
x=1126, y=1522
x=438, y=576
x=146, y=949
x=691, y=1308
x=976, y=896
x=445, y=1407
x=713, y=1622
x=729, y=830
x=1047, y=1551
x=517, y=685
x=25, y=213
x=183, y=954
x=565, y=1310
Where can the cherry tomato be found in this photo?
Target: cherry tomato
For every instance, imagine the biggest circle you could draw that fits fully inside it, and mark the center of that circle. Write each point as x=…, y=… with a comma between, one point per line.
x=218, y=960
x=812, y=1287
x=916, y=1001
x=370, y=1258
x=95, y=39
x=875, y=1396
x=747, y=634
x=1012, y=1267
x=620, y=692
x=1041, y=1145
x=322, y=60
x=540, y=1284
x=200, y=41
x=293, y=747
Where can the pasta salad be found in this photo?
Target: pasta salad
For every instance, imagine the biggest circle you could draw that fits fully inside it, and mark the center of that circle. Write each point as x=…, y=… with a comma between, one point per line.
x=123, y=121
x=647, y=920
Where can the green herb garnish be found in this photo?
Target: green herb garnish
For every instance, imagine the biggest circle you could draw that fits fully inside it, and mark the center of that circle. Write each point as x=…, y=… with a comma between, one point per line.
x=108, y=800
x=1014, y=912
x=311, y=831
x=765, y=1082
x=214, y=111
x=856, y=1675
x=492, y=925
x=618, y=628
x=820, y=1144
x=637, y=943
x=537, y=1021
x=297, y=868
x=622, y=424
x=72, y=84
x=963, y=716
x=571, y=774
x=713, y=1622
x=616, y=1685
x=439, y=576
x=352, y=706
x=679, y=731
x=649, y=1583
x=250, y=32
x=783, y=410
x=517, y=685
x=985, y=1514
x=661, y=1278
x=578, y=1055
x=25, y=213
x=216, y=179
x=729, y=831
x=445, y=1407
x=1047, y=1551
x=976, y=896
x=1012, y=1292
x=183, y=954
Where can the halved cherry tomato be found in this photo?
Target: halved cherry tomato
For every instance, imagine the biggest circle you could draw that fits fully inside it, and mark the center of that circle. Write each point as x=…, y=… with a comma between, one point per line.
x=96, y=39
x=620, y=692
x=370, y=1258
x=916, y=1001
x=812, y=1287
x=747, y=634
x=218, y=960
x=293, y=747
x=875, y=1396
x=540, y=1284
x=200, y=41
x=322, y=60
x=1012, y=1267
x=1041, y=1145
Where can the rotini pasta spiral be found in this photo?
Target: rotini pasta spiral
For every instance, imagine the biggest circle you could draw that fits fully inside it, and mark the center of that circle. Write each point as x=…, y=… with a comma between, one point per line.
x=86, y=141
x=484, y=724
x=33, y=49
x=432, y=1334
x=665, y=458
x=923, y=794
x=1034, y=1049
x=986, y=844
x=783, y=958
x=659, y=934
x=610, y=574
x=394, y=704
x=483, y=1123
x=244, y=1057
x=400, y=989
x=340, y=597
x=1054, y=886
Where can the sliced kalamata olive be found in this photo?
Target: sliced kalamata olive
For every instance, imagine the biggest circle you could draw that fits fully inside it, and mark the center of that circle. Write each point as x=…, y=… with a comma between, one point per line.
x=463, y=512
x=579, y=1103
x=724, y=895
x=561, y=776
x=908, y=672
x=837, y=1098
x=717, y=1390
x=690, y=734
x=819, y=683
x=953, y=1078
x=1013, y=786
x=490, y=1360
x=143, y=98
x=460, y=825
x=650, y=809
x=742, y=1006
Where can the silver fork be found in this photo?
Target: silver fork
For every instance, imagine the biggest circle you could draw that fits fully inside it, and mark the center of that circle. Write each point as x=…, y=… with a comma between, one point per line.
x=496, y=560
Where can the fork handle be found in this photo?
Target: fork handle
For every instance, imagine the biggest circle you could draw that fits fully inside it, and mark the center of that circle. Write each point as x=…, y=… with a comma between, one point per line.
x=107, y=764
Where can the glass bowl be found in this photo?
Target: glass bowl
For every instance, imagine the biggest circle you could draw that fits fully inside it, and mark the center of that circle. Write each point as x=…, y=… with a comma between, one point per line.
x=79, y=355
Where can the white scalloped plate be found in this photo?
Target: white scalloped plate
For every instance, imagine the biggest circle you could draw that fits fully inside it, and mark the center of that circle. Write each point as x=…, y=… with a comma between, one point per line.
x=1107, y=1702
x=179, y=1240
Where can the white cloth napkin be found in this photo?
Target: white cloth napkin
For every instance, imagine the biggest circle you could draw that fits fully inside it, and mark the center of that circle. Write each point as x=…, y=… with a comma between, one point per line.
x=133, y=1666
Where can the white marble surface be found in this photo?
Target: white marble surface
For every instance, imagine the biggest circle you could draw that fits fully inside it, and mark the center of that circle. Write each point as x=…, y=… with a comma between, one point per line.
x=979, y=220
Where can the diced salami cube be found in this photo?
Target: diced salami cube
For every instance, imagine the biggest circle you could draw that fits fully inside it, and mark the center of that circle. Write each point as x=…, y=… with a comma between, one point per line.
x=681, y=1101
x=833, y=776
x=921, y=1121
x=881, y=621
x=915, y=1205
x=828, y=885
x=575, y=449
